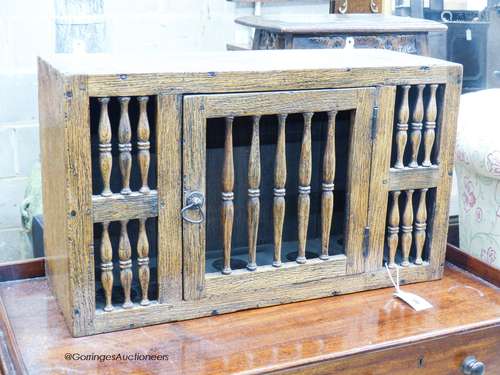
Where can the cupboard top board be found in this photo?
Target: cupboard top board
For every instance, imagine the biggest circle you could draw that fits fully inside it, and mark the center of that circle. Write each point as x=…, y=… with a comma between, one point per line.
x=244, y=71
x=237, y=61
x=341, y=23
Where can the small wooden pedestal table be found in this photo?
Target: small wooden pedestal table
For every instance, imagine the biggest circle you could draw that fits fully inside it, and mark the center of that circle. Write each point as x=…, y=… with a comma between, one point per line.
x=403, y=34
x=369, y=332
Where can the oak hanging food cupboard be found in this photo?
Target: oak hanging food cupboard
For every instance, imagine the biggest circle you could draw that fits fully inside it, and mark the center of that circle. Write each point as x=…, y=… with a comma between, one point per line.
x=184, y=186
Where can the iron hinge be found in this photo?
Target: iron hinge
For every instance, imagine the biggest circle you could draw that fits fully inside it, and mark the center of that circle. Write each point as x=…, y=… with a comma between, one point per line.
x=366, y=242
x=374, y=122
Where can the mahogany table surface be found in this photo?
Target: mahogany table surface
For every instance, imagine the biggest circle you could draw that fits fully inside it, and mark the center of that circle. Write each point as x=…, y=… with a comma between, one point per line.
x=254, y=341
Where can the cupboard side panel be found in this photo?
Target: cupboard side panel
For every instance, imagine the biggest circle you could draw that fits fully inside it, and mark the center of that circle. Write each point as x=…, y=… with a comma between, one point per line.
x=52, y=152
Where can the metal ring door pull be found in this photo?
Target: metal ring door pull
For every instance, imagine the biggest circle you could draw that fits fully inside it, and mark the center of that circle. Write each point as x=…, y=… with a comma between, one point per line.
x=194, y=202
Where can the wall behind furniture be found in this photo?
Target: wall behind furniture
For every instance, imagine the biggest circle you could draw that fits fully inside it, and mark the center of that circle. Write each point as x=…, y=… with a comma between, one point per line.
x=29, y=28
x=26, y=30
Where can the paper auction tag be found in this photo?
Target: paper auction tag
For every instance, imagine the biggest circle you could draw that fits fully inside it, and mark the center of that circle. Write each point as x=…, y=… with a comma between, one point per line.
x=415, y=301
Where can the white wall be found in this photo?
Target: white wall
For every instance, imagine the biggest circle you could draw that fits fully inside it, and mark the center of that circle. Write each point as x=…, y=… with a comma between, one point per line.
x=28, y=29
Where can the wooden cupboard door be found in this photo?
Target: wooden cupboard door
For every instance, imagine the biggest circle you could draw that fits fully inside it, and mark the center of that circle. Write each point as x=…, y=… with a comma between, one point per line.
x=275, y=188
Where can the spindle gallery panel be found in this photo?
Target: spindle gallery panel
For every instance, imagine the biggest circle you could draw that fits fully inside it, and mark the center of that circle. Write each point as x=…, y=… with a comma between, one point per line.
x=414, y=175
x=274, y=188
x=125, y=200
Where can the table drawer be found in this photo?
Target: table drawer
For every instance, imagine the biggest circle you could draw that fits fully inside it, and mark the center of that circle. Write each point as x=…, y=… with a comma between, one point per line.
x=440, y=355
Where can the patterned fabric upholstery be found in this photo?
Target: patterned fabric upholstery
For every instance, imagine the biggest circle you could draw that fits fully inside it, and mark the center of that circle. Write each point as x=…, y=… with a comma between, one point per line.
x=478, y=175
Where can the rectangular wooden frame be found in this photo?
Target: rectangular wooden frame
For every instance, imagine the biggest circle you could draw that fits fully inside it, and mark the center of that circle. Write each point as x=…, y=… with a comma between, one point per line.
x=64, y=116
x=198, y=108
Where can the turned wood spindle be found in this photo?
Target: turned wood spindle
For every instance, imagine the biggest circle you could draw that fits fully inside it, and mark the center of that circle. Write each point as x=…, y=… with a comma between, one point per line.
x=105, y=157
x=416, y=126
x=227, y=211
x=328, y=185
x=253, y=206
x=106, y=266
x=124, y=145
x=143, y=261
x=143, y=144
x=125, y=254
x=402, y=128
x=279, y=189
x=303, y=204
x=430, y=126
x=420, y=226
x=393, y=228
x=407, y=228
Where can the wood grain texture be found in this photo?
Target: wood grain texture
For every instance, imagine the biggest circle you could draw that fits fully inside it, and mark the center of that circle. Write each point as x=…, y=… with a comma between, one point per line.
x=268, y=287
x=11, y=361
x=430, y=125
x=420, y=225
x=194, y=169
x=227, y=210
x=53, y=157
x=143, y=144
x=447, y=124
x=143, y=261
x=434, y=356
x=253, y=203
x=124, y=145
x=340, y=23
x=279, y=190
x=125, y=254
x=393, y=228
x=210, y=81
x=402, y=127
x=106, y=253
x=215, y=72
x=118, y=207
x=419, y=178
x=358, y=176
x=379, y=177
x=304, y=334
x=356, y=6
x=263, y=103
x=105, y=158
x=473, y=265
x=328, y=185
x=416, y=126
x=22, y=269
x=79, y=241
x=304, y=200
x=205, y=107
x=407, y=43
x=170, y=250
x=407, y=228
x=227, y=83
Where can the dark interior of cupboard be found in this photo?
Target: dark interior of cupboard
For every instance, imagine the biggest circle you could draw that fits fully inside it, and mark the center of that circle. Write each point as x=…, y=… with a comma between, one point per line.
x=242, y=132
x=135, y=184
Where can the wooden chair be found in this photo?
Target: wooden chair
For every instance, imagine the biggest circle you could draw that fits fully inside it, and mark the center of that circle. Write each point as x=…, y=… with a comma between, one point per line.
x=356, y=6
x=339, y=6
